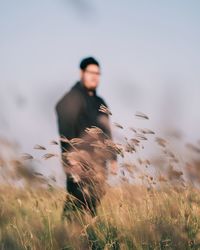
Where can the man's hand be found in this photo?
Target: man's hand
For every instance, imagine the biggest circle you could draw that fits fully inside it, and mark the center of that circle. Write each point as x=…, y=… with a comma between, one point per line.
x=113, y=167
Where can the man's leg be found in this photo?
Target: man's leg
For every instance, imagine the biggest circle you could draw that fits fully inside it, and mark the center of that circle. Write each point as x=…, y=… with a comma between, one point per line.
x=79, y=200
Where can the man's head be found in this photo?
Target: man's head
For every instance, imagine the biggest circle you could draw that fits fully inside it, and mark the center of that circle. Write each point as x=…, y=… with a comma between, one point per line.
x=90, y=73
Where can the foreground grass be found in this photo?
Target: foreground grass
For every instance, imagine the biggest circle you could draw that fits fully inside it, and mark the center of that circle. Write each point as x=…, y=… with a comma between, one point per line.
x=130, y=217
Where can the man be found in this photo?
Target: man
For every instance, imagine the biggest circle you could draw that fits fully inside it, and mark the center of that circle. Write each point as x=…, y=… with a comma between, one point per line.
x=79, y=114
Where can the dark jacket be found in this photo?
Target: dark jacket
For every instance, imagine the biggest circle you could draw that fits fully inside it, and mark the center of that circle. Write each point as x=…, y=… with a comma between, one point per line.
x=77, y=110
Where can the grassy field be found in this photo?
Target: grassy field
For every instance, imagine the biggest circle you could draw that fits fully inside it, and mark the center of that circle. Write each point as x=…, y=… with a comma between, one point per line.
x=155, y=203
x=129, y=217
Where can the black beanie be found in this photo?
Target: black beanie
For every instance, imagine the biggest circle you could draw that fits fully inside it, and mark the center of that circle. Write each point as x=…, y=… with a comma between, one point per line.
x=87, y=61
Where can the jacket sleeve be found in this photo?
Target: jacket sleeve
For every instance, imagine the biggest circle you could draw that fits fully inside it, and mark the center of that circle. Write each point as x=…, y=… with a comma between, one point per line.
x=68, y=110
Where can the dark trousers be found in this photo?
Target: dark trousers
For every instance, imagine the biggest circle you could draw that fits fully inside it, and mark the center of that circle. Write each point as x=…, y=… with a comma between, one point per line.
x=79, y=200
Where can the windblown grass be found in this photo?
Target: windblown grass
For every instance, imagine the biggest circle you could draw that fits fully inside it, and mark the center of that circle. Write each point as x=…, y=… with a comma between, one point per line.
x=155, y=204
x=129, y=217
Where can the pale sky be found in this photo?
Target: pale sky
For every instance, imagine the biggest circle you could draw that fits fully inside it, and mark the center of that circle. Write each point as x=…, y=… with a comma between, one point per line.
x=149, y=52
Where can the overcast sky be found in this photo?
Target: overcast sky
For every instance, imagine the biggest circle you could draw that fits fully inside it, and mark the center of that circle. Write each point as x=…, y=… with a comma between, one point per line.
x=149, y=52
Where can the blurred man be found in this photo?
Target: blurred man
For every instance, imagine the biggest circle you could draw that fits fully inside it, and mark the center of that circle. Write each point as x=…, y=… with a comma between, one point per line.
x=80, y=115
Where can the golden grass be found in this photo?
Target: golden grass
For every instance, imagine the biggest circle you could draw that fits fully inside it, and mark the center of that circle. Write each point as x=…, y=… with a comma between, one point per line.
x=160, y=209
x=129, y=217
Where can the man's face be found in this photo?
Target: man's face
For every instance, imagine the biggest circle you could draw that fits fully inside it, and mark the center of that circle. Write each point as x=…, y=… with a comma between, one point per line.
x=91, y=76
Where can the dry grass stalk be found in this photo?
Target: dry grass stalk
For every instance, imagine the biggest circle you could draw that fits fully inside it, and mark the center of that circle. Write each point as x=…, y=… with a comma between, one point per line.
x=133, y=129
x=140, y=137
x=174, y=174
x=118, y=125
x=135, y=142
x=39, y=147
x=26, y=156
x=130, y=148
x=53, y=142
x=146, y=131
x=141, y=115
x=94, y=130
x=64, y=139
x=48, y=155
x=105, y=109
x=76, y=141
x=162, y=142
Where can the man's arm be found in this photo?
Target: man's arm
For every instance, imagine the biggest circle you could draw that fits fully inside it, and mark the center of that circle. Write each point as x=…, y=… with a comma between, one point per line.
x=68, y=110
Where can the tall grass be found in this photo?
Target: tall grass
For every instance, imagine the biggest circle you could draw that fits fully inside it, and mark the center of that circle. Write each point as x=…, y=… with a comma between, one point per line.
x=154, y=205
x=129, y=217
